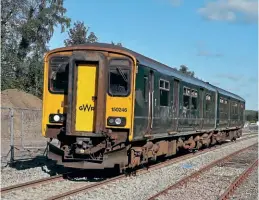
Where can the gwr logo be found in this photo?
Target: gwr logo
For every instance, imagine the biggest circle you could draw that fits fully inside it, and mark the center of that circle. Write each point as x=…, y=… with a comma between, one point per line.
x=86, y=107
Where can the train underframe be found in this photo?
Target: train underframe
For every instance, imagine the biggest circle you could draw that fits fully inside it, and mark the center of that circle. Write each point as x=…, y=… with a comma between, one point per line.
x=112, y=150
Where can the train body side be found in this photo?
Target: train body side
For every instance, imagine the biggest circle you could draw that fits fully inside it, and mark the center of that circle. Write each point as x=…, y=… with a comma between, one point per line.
x=166, y=104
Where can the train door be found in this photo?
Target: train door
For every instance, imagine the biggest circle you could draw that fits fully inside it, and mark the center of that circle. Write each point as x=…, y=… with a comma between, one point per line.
x=85, y=101
x=201, y=107
x=176, y=92
x=151, y=100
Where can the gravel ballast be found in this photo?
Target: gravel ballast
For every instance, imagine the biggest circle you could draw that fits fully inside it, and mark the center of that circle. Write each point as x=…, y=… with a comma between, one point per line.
x=248, y=190
x=212, y=183
x=139, y=187
x=146, y=185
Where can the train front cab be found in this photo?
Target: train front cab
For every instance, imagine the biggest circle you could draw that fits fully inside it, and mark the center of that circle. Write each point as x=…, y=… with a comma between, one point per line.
x=92, y=113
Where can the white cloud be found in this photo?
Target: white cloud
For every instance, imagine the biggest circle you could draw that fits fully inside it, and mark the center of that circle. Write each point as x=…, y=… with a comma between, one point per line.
x=231, y=10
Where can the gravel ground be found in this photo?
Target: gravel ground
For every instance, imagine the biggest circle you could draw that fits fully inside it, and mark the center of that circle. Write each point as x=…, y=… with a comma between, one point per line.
x=28, y=170
x=37, y=168
x=212, y=183
x=34, y=165
x=248, y=190
x=45, y=191
x=146, y=185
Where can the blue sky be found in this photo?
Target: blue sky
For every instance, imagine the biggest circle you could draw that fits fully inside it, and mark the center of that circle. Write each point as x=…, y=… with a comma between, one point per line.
x=217, y=39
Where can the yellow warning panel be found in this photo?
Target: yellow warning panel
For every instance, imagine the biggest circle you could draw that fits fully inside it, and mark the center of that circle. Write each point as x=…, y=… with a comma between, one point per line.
x=85, y=104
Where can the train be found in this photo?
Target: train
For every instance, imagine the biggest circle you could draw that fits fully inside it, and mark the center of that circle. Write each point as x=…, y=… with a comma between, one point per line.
x=111, y=107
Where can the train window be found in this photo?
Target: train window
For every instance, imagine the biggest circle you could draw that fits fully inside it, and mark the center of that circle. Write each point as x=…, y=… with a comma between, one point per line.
x=164, y=97
x=166, y=85
x=226, y=101
x=119, y=82
x=221, y=100
x=194, y=103
x=145, y=88
x=58, y=80
x=164, y=88
x=208, y=97
x=186, y=102
x=194, y=95
x=163, y=84
x=234, y=108
x=186, y=91
x=208, y=102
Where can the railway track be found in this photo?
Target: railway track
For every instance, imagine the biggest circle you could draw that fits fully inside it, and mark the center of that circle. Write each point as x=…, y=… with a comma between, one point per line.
x=238, y=181
x=33, y=183
x=184, y=188
x=98, y=184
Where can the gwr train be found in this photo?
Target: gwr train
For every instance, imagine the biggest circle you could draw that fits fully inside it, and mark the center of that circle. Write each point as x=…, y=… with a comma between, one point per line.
x=109, y=106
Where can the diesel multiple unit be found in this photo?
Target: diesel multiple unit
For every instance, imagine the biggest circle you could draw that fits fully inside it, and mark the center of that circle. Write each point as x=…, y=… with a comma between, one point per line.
x=111, y=107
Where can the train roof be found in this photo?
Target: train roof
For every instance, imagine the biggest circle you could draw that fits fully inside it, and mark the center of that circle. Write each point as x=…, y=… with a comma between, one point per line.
x=148, y=62
x=226, y=93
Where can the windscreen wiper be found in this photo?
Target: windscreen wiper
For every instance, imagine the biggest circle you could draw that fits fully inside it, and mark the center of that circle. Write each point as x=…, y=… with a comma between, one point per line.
x=122, y=74
x=61, y=66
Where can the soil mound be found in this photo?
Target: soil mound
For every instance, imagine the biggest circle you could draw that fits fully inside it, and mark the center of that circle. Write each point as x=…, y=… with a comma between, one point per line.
x=27, y=114
x=13, y=98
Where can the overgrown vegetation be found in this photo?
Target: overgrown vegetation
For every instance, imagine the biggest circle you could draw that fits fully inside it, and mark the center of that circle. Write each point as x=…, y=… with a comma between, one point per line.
x=251, y=115
x=78, y=35
x=27, y=27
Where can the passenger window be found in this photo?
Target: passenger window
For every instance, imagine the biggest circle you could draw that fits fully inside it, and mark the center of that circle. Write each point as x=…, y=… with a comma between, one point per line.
x=145, y=89
x=208, y=102
x=194, y=103
x=186, y=98
x=186, y=102
x=221, y=105
x=194, y=95
x=164, y=88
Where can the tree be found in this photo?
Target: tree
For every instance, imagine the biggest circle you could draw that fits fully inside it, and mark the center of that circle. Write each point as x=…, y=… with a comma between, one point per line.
x=92, y=38
x=251, y=115
x=27, y=27
x=185, y=70
x=78, y=35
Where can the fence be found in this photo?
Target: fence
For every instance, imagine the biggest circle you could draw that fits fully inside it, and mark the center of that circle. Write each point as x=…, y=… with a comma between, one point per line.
x=20, y=133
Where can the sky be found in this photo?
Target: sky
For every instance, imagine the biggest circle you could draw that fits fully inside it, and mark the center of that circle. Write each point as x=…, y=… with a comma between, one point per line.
x=217, y=39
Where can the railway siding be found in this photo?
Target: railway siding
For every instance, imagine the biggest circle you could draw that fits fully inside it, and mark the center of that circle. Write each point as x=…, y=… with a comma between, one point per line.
x=248, y=189
x=212, y=184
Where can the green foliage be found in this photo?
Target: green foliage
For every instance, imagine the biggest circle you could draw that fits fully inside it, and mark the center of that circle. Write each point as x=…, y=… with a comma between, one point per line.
x=251, y=115
x=186, y=71
x=78, y=35
x=92, y=38
x=27, y=27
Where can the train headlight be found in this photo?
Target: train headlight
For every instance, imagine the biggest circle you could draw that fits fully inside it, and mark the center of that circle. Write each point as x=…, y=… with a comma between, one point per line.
x=116, y=121
x=111, y=120
x=56, y=118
